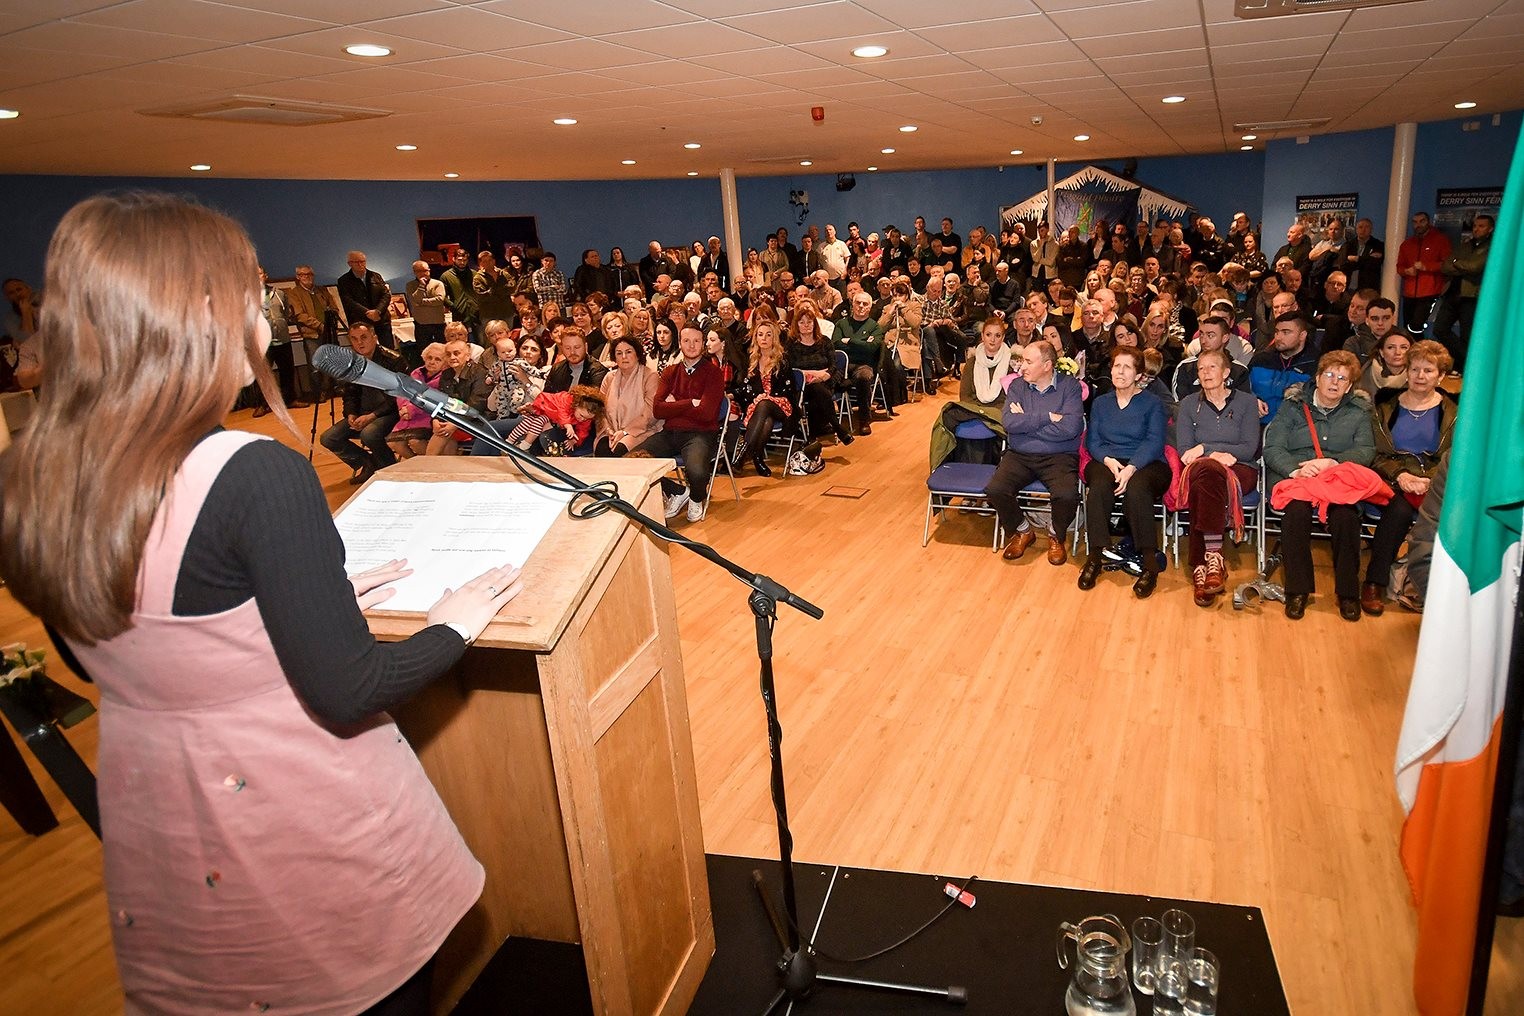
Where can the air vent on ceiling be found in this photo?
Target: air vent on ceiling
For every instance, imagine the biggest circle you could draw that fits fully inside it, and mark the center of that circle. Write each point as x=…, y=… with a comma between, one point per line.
x=264, y=110
x=1280, y=8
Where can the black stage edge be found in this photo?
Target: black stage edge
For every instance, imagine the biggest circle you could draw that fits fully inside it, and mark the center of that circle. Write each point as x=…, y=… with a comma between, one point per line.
x=1002, y=950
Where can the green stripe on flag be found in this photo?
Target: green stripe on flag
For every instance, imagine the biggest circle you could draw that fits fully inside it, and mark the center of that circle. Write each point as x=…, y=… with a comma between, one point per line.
x=1485, y=487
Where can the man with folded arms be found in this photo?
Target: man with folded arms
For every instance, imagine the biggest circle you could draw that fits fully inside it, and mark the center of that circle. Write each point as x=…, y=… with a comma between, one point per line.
x=1043, y=417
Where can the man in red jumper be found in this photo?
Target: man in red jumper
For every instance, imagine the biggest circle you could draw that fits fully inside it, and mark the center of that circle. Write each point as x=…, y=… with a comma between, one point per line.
x=688, y=404
x=1418, y=263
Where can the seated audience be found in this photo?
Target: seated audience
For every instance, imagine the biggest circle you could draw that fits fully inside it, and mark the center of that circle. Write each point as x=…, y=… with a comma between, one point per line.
x=1380, y=321
x=863, y=340
x=1388, y=369
x=1043, y=418
x=557, y=423
x=808, y=351
x=1319, y=426
x=512, y=383
x=629, y=392
x=575, y=367
x=688, y=403
x=1287, y=361
x=981, y=395
x=1211, y=334
x=1217, y=435
x=359, y=439
x=1414, y=427
x=464, y=379
x=765, y=396
x=410, y=435
x=665, y=350
x=1126, y=444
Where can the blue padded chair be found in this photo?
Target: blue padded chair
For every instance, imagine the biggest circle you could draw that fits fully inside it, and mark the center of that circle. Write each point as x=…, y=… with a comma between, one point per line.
x=965, y=480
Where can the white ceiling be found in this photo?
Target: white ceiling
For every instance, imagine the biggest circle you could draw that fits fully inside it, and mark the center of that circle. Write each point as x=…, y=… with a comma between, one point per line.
x=476, y=85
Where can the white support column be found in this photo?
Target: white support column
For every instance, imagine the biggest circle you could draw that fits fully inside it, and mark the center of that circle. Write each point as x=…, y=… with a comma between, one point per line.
x=1052, y=224
x=730, y=209
x=1399, y=200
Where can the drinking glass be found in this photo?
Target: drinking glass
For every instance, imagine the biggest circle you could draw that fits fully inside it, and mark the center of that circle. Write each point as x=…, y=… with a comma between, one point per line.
x=1147, y=939
x=1203, y=972
x=1179, y=936
x=1170, y=987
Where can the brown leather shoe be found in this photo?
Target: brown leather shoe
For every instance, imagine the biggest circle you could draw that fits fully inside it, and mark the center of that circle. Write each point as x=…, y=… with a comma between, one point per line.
x=1201, y=589
x=1371, y=597
x=1057, y=555
x=1018, y=544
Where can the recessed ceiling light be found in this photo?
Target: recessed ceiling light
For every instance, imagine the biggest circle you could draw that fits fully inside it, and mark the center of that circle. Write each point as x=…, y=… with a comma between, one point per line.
x=564, y=121
x=1082, y=137
x=200, y=167
x=1016, y=151
x=452, y=176
x=909, y=128
x=1250, y=137
x=870, y=52
x=407, y=148
x=9, y=114
x=886, y=151
x=873, y=169
x=627, y=162
x=805, y=162
x=693, y=172
x=692, y=146
x=1172, y=99
x=1246, y=148
x=1465, y=105
x=367, y=49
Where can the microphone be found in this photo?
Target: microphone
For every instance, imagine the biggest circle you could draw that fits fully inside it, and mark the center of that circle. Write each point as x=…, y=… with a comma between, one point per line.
x=350, y=367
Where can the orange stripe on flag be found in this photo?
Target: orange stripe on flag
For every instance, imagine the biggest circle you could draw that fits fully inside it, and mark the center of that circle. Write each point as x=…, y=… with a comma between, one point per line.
x=1444, y=844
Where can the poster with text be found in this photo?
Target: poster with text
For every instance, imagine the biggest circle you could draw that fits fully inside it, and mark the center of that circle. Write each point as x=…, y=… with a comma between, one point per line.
x=1315, y=211
x=1455, y=207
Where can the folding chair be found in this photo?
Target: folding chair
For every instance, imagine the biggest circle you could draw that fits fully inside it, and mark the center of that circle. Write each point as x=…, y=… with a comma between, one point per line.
x=1035, y=497
x=1253, y=504
x=720, y=455
x=799, y=431
x=965, y=480
x=843, y=397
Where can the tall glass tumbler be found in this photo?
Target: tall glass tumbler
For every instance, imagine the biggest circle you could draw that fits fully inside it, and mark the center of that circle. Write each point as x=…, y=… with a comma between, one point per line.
x=1147, y=940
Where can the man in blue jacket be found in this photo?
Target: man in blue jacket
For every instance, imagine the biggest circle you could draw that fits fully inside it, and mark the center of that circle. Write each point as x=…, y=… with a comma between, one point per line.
x=1287, y=361
x=1043, y=416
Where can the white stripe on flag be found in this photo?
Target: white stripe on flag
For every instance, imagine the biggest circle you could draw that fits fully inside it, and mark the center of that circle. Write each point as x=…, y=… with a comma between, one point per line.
x=1460, y=676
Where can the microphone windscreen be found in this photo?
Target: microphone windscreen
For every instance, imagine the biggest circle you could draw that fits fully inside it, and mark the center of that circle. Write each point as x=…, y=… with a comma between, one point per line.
x=338, y=362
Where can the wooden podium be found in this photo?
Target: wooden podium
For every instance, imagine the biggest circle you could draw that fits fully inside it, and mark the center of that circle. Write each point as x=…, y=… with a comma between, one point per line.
x=560, y=745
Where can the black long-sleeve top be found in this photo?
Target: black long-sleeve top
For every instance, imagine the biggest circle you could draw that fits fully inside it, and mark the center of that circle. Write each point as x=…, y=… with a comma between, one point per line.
x=265, y=531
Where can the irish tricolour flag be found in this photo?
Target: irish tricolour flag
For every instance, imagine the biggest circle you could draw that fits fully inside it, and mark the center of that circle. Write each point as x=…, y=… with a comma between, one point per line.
x=1448, y=750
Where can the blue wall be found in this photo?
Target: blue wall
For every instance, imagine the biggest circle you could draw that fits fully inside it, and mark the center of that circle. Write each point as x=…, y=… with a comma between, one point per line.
x=1444, y=156
x=317, y=222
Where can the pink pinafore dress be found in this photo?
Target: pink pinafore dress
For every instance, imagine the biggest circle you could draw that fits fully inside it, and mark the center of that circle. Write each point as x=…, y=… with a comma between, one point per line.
x=256, y=860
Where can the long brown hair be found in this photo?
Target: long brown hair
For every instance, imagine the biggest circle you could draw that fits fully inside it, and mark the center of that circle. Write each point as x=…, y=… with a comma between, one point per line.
x=148, y=332
x=758, y=365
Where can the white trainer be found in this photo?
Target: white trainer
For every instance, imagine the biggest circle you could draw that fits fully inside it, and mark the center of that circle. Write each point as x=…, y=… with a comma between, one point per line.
x=697, y=510
x=673, y=504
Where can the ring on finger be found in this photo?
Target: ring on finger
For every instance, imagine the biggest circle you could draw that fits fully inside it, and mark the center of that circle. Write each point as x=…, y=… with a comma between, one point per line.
x=492, y=590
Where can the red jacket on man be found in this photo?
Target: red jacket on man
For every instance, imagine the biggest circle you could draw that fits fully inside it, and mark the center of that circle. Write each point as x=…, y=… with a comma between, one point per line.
x=1433, y=249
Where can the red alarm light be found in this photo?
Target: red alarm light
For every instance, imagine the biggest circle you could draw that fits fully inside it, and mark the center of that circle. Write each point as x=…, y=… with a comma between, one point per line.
x=817, y=113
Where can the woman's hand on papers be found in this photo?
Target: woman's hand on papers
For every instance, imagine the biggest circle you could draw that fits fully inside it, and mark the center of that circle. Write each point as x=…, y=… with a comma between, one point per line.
x=478, y=601
x=369, y=585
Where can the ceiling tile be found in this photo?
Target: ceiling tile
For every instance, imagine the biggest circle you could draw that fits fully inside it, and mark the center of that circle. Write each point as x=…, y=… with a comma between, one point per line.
x=340, y=12
x=75, y=37
x=981, y=35
x=773, y=60
x=689, y=40
x=1126, y=18
x=899, y=45
x=826, y=77
x=1224, y=57
x=1303, y=26
x=479, y=67
x=20, y=66
x=916, y=66
x=1151, y=43
x=836, y=19
x=474, y=27
x=273, y=61
x=587, y=54
x=576, y=19
x=729, y=8
x=331, y=43
x=1418, y=15
x=200, y=20
x=675, y=72
x=1026, y=55
x=921, y=14
x=1399, y=43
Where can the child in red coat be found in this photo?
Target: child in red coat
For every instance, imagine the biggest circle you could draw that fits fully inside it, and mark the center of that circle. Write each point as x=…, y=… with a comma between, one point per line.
x=576, y=411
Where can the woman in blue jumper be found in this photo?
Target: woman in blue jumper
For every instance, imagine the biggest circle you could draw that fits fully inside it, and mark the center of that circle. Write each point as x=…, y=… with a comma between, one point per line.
x=1126, y=444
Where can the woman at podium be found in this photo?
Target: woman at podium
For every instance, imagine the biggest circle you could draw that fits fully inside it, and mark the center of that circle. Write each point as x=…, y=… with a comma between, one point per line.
x=270, y=840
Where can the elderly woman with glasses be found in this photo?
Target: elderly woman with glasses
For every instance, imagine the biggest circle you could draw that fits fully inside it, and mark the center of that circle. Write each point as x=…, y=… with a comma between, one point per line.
x=1317, y=427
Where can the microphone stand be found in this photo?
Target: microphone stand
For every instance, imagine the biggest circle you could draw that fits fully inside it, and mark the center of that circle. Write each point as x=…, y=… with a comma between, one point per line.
x=796, y=967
